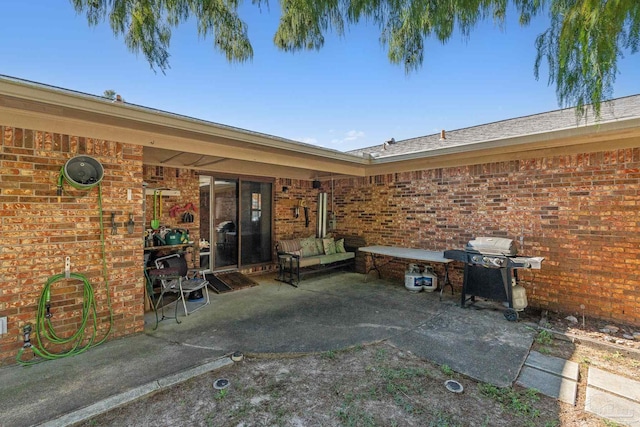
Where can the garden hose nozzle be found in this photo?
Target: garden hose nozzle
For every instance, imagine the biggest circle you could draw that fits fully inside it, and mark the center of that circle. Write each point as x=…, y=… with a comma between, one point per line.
x=27, y=331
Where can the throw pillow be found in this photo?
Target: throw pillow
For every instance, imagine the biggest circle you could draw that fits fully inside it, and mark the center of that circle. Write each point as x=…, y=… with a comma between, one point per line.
x=329, y=246
x=308, y=247
x=289, y=246
x=340, y=247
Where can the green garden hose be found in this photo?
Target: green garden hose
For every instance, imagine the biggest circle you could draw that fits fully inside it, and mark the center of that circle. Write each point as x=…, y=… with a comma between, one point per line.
x=44, y=331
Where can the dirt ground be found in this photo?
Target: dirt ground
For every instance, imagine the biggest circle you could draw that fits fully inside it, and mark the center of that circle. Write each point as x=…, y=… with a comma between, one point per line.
x=376, y=385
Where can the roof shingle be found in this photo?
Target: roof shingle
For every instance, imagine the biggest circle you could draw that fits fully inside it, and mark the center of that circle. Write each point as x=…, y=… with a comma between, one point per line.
x=614, y=110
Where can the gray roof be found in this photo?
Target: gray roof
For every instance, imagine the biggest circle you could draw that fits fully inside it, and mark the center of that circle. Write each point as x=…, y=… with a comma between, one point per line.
x=611, y=111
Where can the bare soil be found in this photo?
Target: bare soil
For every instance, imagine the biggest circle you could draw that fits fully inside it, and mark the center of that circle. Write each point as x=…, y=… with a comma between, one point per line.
x=377, y=385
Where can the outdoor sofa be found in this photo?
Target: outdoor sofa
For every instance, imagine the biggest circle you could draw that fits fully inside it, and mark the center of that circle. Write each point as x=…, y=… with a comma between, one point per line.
x=302, y=256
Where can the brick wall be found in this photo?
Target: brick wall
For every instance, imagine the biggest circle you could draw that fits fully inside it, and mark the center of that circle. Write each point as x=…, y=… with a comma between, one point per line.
x=38, y=232
x=581, y=212
x=286, y=225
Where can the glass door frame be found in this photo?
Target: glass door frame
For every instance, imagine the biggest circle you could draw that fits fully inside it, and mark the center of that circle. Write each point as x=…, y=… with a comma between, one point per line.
x=239, y=179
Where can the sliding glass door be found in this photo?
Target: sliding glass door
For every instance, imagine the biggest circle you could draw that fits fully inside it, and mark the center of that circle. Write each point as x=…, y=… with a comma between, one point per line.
x=236, y=218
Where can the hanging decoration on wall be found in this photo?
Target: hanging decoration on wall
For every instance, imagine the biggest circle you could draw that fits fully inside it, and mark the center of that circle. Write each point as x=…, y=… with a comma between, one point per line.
x=186, y=212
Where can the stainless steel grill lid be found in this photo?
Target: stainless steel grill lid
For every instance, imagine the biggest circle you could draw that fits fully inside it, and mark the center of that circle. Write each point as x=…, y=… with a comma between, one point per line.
x=492, y=246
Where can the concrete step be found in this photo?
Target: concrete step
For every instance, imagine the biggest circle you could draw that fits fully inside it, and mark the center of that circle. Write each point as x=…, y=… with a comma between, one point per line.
x=563, y=389
x=553, y=365
x=551, y=376
x=613, y=397
x=614, y=383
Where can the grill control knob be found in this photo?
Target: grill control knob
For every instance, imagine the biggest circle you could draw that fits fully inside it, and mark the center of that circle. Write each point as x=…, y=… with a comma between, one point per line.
x=477, y=259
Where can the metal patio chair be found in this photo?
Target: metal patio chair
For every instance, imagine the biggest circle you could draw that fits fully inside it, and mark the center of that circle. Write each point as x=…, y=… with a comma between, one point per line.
x=180, y=280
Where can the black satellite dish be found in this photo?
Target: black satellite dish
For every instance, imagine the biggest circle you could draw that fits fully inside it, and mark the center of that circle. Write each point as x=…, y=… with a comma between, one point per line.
x=83, y=171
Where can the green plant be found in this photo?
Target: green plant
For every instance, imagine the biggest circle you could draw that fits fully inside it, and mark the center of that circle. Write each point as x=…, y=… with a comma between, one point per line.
x=210, y=419
x=351, y=416
x=520, y=402
x=446, y=369
x=442, y=419
x=331, y=354
x=544, y=337
x=221, y=394
x=381, y=354
x=279, y=412
x=241, y=410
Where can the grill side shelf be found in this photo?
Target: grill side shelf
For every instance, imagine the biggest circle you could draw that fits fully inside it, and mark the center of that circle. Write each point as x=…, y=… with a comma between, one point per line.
x=456, y=255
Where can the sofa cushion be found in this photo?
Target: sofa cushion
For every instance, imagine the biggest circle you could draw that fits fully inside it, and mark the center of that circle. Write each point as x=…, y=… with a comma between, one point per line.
x=329, y=246
x=308, y=262
x=330, y=259
x=309, y=247
x=289, y=246
x=340, y=246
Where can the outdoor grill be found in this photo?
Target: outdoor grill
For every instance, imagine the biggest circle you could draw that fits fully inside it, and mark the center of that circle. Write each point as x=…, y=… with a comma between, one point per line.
x=490, y=265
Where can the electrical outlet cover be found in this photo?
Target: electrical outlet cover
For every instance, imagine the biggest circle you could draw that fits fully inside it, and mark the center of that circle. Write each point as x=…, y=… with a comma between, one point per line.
x=3, y=325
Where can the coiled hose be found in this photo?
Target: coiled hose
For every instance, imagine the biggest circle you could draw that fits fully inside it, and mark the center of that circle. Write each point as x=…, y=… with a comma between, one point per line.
x=44, y=328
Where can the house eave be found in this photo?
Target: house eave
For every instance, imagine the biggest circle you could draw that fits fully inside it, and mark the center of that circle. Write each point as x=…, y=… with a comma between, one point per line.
x=165, y=136
x=59, y=104
x=607, y=135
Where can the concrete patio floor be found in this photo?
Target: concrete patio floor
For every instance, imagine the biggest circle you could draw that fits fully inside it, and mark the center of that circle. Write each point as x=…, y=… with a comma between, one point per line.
x=327, y=312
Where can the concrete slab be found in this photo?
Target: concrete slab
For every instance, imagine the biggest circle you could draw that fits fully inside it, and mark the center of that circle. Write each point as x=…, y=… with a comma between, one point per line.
x=563, y=389
x=478, y=343
x=340, y=310
x=326, y=313
x=612, y=407
x=553, y=365
x=616, y=384
x=135, y=393
x=35, y=394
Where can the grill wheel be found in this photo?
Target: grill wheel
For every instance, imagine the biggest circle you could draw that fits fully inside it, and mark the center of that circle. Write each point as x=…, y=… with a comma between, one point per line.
x=511, y=315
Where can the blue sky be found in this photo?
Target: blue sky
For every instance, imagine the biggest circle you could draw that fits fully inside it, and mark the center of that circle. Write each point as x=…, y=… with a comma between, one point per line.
x=343, y=97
